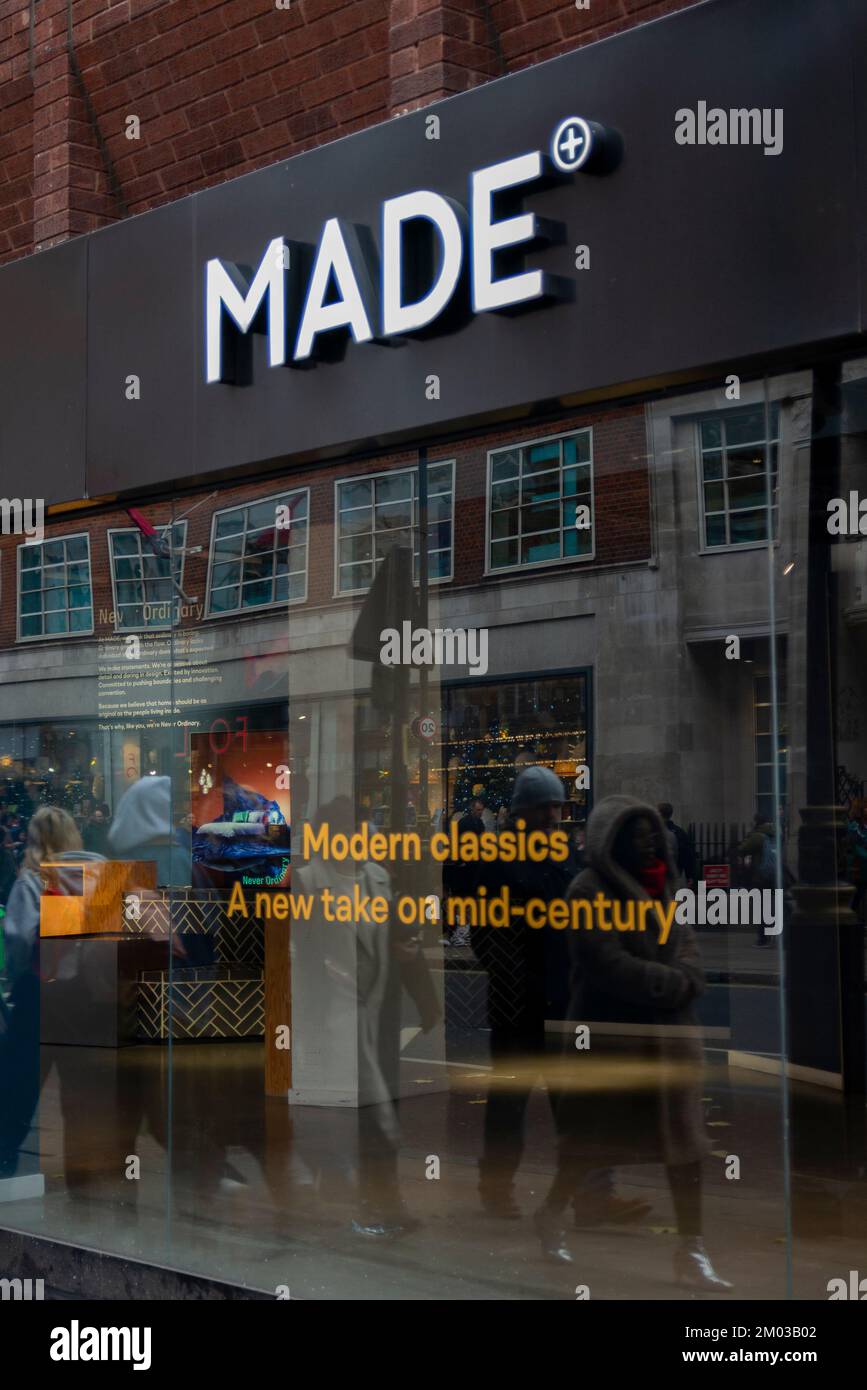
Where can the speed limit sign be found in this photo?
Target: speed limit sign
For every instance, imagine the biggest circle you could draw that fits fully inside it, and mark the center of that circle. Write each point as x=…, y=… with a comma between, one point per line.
x=425, y=727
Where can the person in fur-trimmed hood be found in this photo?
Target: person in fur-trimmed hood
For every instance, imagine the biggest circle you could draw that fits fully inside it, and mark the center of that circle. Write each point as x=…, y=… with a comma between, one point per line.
x=639, y=1100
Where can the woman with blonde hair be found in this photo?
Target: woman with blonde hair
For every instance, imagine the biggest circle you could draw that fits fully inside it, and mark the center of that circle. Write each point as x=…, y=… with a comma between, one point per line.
x=52, y=835
x=51, y=831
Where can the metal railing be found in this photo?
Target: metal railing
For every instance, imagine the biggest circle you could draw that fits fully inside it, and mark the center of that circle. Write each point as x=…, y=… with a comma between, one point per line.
x=714, y=841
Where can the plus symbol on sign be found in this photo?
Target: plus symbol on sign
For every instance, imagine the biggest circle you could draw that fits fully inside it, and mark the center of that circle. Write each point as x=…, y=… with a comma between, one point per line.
x=570, y=143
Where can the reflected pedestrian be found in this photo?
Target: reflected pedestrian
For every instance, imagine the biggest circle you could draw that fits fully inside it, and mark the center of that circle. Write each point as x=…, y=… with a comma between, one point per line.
x=628, y=980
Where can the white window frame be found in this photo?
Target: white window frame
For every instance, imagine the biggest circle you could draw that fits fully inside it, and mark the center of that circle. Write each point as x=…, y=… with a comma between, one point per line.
x=370, y=477
x=175, y=598
x=277, y=498
x=522, y=566
x=782, y=764
x=54, y=636
x=731, y=546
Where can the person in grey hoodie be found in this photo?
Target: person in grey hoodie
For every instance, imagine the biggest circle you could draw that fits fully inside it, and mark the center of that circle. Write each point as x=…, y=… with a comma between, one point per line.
x=52, y=837
x=142, y=830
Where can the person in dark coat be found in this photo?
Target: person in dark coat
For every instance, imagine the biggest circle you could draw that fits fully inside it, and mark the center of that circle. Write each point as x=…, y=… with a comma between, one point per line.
x=652, y=1112
x=460, y=876
x=95, y=834
x=685, y=855
x=526, y=967
x=472, y=821
x=756, y=857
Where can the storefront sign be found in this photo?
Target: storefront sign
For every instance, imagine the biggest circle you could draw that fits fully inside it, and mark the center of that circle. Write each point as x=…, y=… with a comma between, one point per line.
x=408, y=264
x=350, y=289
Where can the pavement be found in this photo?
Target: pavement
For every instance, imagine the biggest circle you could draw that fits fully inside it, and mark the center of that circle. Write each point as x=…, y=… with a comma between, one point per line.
x=726, y=955
x=284, y=1217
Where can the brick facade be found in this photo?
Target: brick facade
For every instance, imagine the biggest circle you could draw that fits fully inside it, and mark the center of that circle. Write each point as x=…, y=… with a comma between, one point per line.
x=222, y=87
x=621, y=501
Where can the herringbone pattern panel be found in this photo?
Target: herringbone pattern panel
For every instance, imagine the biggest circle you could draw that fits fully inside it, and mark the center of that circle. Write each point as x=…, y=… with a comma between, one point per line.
x=222, y=1008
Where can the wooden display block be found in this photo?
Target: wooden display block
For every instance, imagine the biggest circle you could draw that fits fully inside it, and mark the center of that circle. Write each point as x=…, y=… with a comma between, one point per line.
x=86, y=898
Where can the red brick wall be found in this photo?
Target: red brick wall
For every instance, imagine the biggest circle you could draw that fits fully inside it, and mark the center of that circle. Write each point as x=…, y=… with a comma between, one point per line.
x=222, y=87
x=439, y=47
x=621, y=497
x=532, y=30
x=16, y=165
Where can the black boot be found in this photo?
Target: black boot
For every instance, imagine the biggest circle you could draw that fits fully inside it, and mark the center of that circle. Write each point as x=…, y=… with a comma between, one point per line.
x=498, y=1199
x=497, y=1192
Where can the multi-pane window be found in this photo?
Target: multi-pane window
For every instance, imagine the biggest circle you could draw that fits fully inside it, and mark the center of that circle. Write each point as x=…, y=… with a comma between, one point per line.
x=735, y=460
x=381, y=511
x=541, y=502
x=147, y=578
x=54, y=593
x=765, y=748
x=259, y=554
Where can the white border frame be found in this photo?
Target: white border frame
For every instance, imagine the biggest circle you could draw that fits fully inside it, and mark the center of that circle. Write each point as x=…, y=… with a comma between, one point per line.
x=54, y=636
x=235, y=613
x=132, y=530
x=530, y=566
x=388, y=473
x=756, y=735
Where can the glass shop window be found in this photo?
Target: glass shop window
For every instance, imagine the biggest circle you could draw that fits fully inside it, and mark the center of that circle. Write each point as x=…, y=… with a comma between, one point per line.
x=535, y=491
x=55, y=598
x=259, y=554
x=146, y=576
x=736, y=456
x=380, y=511
x=494, y=729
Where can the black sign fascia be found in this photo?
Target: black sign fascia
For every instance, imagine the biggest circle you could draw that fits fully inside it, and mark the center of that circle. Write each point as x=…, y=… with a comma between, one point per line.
x=699, y=254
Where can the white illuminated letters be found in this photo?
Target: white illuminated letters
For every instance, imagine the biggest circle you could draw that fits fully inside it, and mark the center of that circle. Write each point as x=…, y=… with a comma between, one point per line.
x=490, y=236
x=225, y=290
x=445, y=216
x=424, y=239
x=339, y=257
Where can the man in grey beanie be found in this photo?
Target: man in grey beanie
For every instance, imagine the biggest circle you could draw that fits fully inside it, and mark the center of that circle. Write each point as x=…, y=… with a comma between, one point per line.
x=519, y=965
x=527, y=969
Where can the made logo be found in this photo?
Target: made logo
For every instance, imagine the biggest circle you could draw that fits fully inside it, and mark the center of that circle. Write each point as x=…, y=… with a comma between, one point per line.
x=430, y=247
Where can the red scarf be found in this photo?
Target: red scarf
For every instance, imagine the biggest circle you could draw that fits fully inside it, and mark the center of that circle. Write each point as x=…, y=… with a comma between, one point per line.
x=653, y=878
